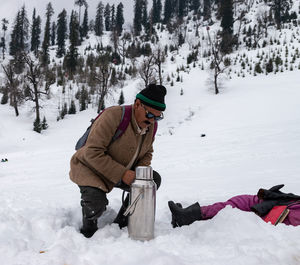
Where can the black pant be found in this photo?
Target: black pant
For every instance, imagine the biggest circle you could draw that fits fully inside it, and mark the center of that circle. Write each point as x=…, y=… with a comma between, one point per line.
x=94, y=200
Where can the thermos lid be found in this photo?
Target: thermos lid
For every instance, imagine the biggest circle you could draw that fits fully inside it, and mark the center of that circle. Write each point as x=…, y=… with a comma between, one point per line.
x=144, y=173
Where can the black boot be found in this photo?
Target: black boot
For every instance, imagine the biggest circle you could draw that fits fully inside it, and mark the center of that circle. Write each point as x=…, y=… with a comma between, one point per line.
x=173, y=222
x=184, y=216
x=89, y=227
x=122, y=220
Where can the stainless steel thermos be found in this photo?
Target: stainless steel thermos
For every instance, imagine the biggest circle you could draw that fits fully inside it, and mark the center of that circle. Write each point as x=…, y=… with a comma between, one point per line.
x=141, y=209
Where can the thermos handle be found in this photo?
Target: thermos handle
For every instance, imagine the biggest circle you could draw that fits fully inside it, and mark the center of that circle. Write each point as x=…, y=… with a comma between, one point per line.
x=130, y=208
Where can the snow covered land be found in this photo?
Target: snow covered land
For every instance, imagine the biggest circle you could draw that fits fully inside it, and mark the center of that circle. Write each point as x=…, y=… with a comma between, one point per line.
x=252, y=140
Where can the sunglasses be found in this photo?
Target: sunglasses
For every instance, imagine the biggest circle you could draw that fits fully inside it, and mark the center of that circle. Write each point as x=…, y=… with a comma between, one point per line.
x=149, y=115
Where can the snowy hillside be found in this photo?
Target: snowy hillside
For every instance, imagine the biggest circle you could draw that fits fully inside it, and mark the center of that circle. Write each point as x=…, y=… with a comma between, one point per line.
x=252, y=140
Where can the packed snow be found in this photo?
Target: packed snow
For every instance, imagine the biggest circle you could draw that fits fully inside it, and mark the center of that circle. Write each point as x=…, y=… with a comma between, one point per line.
x=207, y=149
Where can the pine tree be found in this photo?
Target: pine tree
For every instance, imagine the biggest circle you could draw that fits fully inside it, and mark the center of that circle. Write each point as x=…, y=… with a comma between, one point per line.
x=195, y=4
x=80, y=3
x=137, y=20
x=119, y=18
x=112, y=18
x=24, y=25
x=226, y=11
x=37, y=126
x=72, y=109
x=182, y=8
x=99, y=20
x=35, y=33
x=72, y=55
x=207, y=10
x=257, y=68
x=47, y=33
x=269, y=66
x=4, y=98
x=64, y=111
x=3, y=38
x=156, y=11
x=44, y=124
x=85, y=24
x=280, y=7
x=121, y=99
x=83, y=99
x=15, y=37
x=144, y=13
x=167, y=11
x=159, y=10
x=61, y=34
x=107, y=19
x=74, y=34
x=53, y=33
x=19, y=36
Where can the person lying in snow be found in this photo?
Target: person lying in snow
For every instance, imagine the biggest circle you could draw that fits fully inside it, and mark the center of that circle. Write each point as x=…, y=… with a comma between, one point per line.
x=263, y=204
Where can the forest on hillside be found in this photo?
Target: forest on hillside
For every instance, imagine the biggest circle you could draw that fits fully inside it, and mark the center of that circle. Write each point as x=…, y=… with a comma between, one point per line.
x=56, y=51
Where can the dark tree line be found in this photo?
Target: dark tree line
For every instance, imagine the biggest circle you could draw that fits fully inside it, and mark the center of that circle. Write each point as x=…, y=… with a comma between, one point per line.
x=109, y=18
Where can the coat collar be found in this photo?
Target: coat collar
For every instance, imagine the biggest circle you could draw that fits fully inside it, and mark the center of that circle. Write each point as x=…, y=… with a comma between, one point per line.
x=135, y=126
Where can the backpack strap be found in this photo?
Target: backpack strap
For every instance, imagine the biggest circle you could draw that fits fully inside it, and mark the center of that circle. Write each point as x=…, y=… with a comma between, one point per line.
x=93, y=120
x=125, y=120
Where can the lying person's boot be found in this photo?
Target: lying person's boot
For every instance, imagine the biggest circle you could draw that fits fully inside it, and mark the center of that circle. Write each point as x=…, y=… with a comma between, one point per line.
x=184, y=216
x=89, y=227
x=122, y=220
x=173, y=222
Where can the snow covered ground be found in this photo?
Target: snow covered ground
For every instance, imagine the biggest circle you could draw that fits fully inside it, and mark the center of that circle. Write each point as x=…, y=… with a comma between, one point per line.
x=252, y=140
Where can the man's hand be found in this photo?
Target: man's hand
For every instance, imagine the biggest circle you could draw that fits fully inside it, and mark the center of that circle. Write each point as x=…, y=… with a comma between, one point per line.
x=128, y=177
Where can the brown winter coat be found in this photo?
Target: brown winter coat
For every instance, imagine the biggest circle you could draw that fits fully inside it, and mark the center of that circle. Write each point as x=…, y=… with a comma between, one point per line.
x=100, y=163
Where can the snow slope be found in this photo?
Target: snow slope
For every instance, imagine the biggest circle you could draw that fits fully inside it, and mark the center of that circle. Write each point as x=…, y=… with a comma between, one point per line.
x=252, y=140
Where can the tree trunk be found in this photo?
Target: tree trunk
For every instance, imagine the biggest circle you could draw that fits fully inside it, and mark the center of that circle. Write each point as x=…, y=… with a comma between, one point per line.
x=37, y=105
x=79, y=15
x=216, y=83
x=101, y=100
x=15, y=104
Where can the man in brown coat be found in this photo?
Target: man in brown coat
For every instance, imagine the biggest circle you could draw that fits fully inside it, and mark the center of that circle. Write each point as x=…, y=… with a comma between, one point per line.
x=102, y=164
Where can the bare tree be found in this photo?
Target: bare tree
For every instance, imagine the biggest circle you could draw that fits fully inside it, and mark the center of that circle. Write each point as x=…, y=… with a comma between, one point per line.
x=219, y=64
x=236, y=4
x=12, y=85
x=159, y=58
x=147, y=70
x=262, y=19
x=102, y=75
x=114, y=37
x=123, y=45
x=34, y=83
x=257, y=35
x=239, y=18
x=249, y=4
